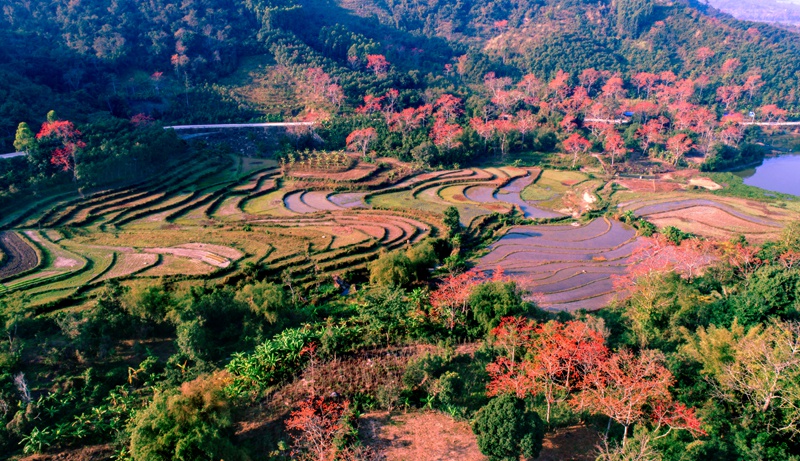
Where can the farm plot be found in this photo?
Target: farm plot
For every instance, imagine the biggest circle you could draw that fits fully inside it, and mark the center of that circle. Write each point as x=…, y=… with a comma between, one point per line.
x=129, y=264
x=551, y=184
x=20, y=257
x=565, y=267
x=207, y=254
x=711, y=218
x=58, y=264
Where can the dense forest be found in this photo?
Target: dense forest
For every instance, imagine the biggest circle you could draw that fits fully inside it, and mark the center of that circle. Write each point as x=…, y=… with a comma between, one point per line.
x=166, y=61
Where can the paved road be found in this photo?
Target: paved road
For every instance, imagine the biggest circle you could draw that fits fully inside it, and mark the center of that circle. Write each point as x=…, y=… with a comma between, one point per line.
x=772, y=123
x=626, y=121
x=239, y=125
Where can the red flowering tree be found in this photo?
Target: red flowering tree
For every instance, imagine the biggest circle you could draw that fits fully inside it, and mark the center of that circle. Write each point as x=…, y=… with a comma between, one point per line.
x=576, y=145
x=484, y=129
x=371, y=105
x=360, y=140
x=526, y=123
x=650, y=134
x=449, y=107
x=614, y=145
x=314, y=427
x=704, y=54
x=678, y=146
x=450, y=301
x=64, y=140
x=646, y=81
x=378, y=64
x=557, y=356
x=445, y=135
x=632, y=389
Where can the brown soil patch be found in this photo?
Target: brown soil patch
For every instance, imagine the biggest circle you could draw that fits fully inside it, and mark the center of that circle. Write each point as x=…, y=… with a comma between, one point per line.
x=428, y=436
x=129, y=263
x=705, y=183
x=20, y=256
x=173, y=265
x=460, y=198
x=360, y=171
x=192, y=253
x=92, y=453
x=65, y=263
x=714, y=217
x=681, y=174
x=645, y=185
x=576, y=443
x=221, y=250
x=499, y=207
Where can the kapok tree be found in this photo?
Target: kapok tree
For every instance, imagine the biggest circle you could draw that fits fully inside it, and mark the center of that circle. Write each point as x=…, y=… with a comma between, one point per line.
x=63, y=141
x=450, y=301
x=576, y=145
x=648, y=298
x=678, y=146
x=449, y=107
x=361, y=140
x=314, y=428
x=485, y=129
x=445, y=135
x=632, y=389
x=556, y=357
x=614, y=145
x=650, y=134
x=504, y=127
x=378, y=64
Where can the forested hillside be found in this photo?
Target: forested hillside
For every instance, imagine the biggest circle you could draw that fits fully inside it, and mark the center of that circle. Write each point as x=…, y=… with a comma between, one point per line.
x=127, y=57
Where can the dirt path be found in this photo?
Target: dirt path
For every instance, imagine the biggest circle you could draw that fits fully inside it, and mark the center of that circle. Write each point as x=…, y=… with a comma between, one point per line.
x=21, y=257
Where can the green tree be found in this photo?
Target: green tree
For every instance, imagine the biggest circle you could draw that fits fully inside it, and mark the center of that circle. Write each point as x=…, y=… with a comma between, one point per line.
x=191, y=424
x=25, y=138
x=392, y=268
x=632, y=16
x=506, y=431
x=152, y=303
x=423, y=257
x=265, y=299
x=769, y=291
x=214, y=325
x=452, y=221
x=491, y=301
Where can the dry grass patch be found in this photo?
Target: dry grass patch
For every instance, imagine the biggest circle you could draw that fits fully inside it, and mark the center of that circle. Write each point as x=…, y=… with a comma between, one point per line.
x=427, y=436
x=130, y=263
x=175, y=265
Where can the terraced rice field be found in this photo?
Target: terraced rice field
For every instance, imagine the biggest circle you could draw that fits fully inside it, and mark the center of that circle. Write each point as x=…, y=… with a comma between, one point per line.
x=213, y=218
x=716, y=217
x=19, y=255
x=565, y=267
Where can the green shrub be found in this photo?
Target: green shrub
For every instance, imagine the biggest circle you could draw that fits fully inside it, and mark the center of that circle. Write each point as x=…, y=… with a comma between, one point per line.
x=506, y=431
x=491, y=301
x=191, y=424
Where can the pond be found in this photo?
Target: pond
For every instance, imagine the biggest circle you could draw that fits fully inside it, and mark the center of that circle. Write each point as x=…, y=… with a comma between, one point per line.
x=778, y=174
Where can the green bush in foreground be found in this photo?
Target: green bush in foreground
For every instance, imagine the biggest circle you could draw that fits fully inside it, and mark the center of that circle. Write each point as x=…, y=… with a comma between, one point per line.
x=192, y=424
x=505, y=430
